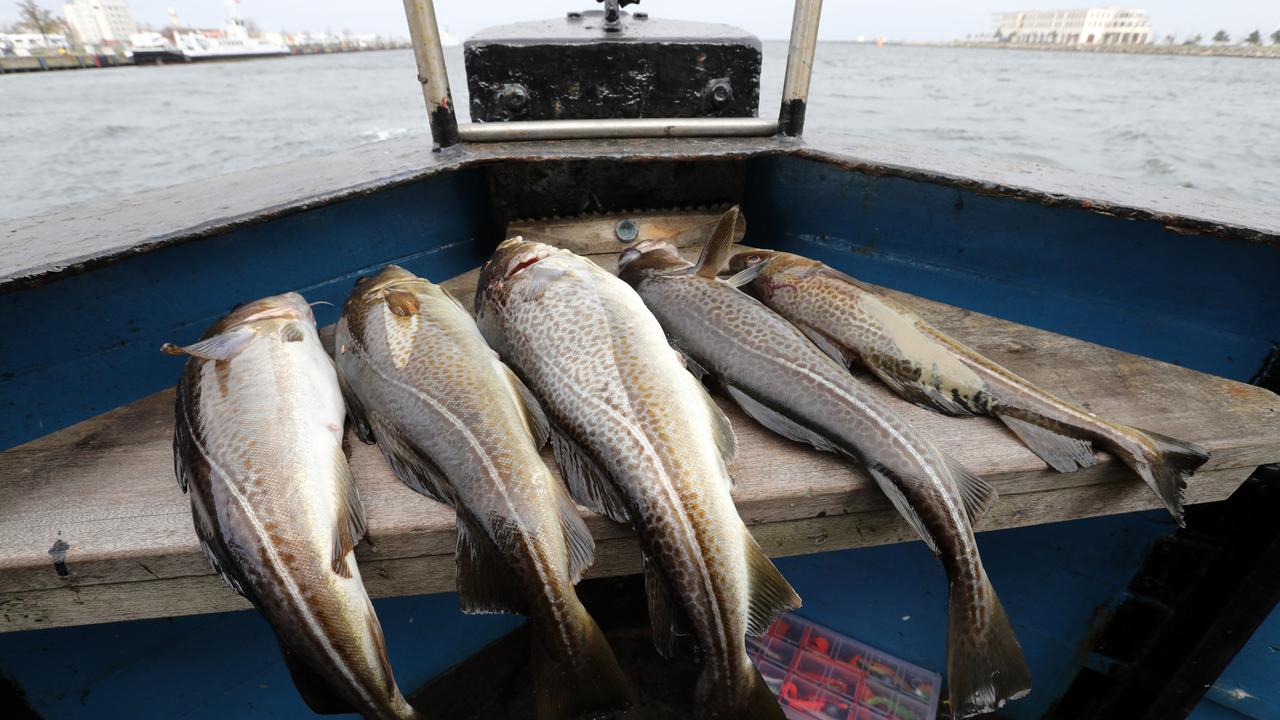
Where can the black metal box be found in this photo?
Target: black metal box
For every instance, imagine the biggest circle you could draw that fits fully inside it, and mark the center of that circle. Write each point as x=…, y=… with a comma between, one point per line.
x=575, y=68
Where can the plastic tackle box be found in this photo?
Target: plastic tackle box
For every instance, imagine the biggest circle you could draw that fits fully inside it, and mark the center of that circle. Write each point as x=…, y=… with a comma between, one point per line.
x=819, y=674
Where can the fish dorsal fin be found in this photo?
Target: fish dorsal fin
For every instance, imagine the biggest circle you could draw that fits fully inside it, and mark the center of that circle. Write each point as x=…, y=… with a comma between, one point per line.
x=535, y=419
x=319, y=694
x=977, y=494
x=1062, y=453
x=414, y=468
x=779, y=423
x=664, y=614
x=587, y=481
x=717, y=248
x=577, y=538
x=402, y=303
x=885, y=479
x=350, y=520
x=770, y=594
x=223, y=346
x=746, y=275
x=486, y=583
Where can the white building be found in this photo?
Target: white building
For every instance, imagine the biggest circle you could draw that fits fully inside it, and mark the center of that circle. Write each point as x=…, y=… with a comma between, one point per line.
x=1087, y=26
x=100, y=21
x=26, y=44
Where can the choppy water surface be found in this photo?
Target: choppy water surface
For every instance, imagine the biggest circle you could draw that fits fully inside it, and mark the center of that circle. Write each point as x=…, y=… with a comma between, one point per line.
x=1212, y=124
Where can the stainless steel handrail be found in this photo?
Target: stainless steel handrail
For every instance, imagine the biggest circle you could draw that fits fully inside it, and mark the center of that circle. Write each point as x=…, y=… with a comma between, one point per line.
x=445, y=130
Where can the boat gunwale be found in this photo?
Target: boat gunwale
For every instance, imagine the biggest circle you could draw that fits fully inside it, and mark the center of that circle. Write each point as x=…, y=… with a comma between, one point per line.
x=97, y=246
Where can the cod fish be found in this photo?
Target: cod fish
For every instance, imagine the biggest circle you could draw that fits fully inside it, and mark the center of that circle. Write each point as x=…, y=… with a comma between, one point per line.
x=458, y=426
x=258, y=446
x=787, y=384
x=641, y=441
x=857, y=324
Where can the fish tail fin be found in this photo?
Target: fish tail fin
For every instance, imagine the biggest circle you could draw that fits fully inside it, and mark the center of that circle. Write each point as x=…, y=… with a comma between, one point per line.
x=749, y=699
x=587, y=684
x=771, y=595
x=1164, y=464
x=985, y=664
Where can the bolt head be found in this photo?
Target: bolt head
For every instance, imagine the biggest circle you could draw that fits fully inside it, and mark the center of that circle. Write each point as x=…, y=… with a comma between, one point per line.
x=626, y=230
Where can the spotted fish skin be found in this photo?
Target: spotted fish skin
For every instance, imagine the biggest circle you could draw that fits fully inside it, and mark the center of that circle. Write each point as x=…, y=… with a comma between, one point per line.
x=458, y=426
x=258, y=446
x=861, y=325
x=788, y=384
x=642, y=442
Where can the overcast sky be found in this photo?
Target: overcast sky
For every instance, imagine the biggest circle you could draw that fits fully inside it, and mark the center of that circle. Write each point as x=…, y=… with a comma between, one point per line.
x=770, y=19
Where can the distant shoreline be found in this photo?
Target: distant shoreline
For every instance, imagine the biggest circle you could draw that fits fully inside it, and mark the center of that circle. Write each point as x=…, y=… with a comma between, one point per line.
x=1237, y=51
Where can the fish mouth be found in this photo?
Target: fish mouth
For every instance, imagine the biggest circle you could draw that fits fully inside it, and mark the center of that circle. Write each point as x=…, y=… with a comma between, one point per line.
x=644, y=247
x=290, y=305
x=372, y=286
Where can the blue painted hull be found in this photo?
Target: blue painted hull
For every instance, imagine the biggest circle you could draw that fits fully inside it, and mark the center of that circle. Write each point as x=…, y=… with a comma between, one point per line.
x=1202, y=301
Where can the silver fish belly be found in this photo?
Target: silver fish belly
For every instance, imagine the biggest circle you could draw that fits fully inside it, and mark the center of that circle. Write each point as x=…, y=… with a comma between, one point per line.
x=640, y=441
x=458, y=426
x=257, y=445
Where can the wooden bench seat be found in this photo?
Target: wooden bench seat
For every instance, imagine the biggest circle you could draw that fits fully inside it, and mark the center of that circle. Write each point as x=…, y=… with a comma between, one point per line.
x=93, y=527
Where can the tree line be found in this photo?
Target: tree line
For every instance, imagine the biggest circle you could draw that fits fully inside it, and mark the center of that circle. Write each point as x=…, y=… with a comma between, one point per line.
x=1222, y=37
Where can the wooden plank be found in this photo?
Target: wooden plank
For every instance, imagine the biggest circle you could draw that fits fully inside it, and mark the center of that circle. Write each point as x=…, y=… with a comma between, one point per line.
x=105, y=487
x=620, y=555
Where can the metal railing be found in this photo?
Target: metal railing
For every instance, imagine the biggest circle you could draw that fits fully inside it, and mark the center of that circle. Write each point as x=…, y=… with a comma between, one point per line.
x=446, y=131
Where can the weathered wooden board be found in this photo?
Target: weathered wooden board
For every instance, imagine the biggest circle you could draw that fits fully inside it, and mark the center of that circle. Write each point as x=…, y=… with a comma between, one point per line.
x=105, y=487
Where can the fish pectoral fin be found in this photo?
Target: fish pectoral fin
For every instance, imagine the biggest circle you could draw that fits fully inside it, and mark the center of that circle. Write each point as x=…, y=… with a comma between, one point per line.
x=833, y=349
x=318, y=692
x=577, y=538
x=922, y=394
x=690, y=364
x=292, y=332
x=535, y=419
x=355, y=409
x=718, y=246
x=189, y=461
x=664, y=615
x=746, y=275
x=722, y=429
x=777, y=422
x=885, y=479
x=217, y=554
x=402, y=303
x=1062, y=453
x=977, y=494
x=224, y=346
x=540, y=277
x=414, y=468
x=350, y=516
x=587, y=482
x=770, y=594
x=486, y=583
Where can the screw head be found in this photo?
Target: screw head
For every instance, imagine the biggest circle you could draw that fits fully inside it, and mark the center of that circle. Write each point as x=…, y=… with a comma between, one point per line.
x=627, y=230
x=513, y=97
x=719, y=94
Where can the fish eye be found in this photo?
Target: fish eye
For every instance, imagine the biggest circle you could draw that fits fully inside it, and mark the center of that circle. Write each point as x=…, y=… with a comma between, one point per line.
x=753, y=259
